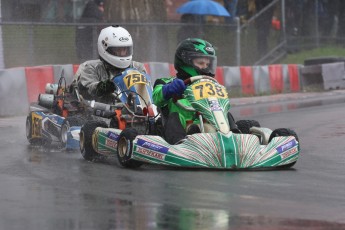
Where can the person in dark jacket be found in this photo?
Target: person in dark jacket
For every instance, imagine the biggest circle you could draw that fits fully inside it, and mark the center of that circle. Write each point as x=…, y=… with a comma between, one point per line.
x=263, y=25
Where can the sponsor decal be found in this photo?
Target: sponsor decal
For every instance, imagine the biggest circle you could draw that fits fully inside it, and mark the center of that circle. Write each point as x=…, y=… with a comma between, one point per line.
x=288, y=153
x=53, y=120
x=113, y=136
x=123, y=39
x=215, y=105
x=152, y=146
x=150, y=153
x=209, y=49
x=286, y=146
x=111, y=143
x=36, y=125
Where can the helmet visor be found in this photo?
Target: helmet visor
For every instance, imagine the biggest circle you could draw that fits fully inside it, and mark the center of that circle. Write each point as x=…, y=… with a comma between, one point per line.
x=204, y=64
x=120, y=51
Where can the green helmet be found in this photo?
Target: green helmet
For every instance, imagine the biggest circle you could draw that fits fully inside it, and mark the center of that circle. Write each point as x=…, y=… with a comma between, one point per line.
x=195, y=57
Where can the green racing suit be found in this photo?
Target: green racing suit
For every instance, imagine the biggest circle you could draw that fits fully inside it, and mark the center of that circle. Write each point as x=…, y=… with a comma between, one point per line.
x=169, y=106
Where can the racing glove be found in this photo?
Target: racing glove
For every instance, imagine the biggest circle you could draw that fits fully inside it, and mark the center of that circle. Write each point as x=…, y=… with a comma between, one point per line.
x=176, y=87
x=104, y=88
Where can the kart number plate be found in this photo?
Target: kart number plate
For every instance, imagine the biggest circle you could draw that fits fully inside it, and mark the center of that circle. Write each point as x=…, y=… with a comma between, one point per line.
x=135, y=78
x=203, y=90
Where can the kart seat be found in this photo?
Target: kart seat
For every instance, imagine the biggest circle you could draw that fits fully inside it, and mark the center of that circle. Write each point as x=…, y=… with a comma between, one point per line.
x=262, y=133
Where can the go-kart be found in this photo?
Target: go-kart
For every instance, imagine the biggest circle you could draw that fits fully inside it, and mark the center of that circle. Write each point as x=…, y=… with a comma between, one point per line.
x=134, y=109
x=219, y=145
x=58, y=115
x=59, y=108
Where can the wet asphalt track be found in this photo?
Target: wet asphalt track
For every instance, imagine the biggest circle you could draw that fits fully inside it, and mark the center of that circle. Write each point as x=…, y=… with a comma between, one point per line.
x=48, y=189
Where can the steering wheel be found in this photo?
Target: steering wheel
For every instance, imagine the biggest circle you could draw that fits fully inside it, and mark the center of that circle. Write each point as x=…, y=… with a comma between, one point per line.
x=190, y=80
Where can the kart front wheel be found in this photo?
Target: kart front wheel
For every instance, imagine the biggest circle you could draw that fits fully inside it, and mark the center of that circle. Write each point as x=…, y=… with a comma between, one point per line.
x=125, y=148
x=245, y=125
x=85, y=143
x=284, y=132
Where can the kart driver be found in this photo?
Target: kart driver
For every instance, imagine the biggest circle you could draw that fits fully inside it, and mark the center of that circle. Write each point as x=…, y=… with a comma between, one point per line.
x=115, y=49
x=193, y=57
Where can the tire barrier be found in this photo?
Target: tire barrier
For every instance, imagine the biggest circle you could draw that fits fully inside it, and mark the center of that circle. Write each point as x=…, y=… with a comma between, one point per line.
x=326, y=76
x=21, y=86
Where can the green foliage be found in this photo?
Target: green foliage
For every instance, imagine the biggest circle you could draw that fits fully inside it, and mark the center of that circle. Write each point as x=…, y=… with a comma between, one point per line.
x=327, y=51
x=26, y=45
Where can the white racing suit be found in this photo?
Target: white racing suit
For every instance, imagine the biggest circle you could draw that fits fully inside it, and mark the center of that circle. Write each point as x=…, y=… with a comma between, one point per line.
x=90, y=73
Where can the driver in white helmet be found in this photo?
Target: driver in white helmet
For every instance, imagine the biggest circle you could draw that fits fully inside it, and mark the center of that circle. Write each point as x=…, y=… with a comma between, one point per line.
x=115, y=49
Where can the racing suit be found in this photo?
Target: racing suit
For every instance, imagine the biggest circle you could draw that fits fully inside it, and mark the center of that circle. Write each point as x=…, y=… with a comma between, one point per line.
x=90, y=73
x=174, y=118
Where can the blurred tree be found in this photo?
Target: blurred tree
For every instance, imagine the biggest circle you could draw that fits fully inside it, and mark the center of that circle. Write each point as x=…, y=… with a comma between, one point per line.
x=148, y=40
x=136, y=11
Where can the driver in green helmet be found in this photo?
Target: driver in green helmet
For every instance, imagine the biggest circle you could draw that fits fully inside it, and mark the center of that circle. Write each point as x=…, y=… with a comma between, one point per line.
x=193, y=57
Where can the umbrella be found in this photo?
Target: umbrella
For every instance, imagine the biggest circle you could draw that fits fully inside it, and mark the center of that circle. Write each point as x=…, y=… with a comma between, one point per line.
x=203, y=7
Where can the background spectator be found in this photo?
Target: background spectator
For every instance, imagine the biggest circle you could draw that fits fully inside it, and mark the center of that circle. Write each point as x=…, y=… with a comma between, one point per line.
x=263, y=25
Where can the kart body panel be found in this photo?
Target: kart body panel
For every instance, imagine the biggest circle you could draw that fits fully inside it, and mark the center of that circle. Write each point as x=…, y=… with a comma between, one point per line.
x=46, y=125
x=73, y=138
x=204, y=150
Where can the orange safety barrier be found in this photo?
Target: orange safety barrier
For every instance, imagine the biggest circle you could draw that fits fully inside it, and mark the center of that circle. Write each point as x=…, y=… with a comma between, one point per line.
x=247, y=80
x=220, y=75
x=75, y=68
x=172, y=70
x=147, y=67
x=294, y=78
x=276, y=78
x=36, y=79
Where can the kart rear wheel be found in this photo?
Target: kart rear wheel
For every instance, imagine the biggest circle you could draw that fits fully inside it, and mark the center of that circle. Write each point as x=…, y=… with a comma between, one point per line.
x=67, y=124
x=245, y=125
x=284, y=132
x=125, y=148
x=86, y=140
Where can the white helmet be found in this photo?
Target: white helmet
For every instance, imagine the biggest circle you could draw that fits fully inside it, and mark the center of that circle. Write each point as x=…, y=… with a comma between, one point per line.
x=115, y=46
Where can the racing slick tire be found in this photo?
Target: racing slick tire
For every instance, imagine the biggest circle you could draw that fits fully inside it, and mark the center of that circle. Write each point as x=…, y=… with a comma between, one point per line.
x=34, y=141
x=322, y=60
x=283, y=132
x=85, y=143
x=67, y=124
x=125, y=148
x=245, y=125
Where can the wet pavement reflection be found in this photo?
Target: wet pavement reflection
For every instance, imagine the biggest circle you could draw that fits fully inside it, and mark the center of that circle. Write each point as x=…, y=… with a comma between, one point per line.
x=46, y=188
x=251, y=108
